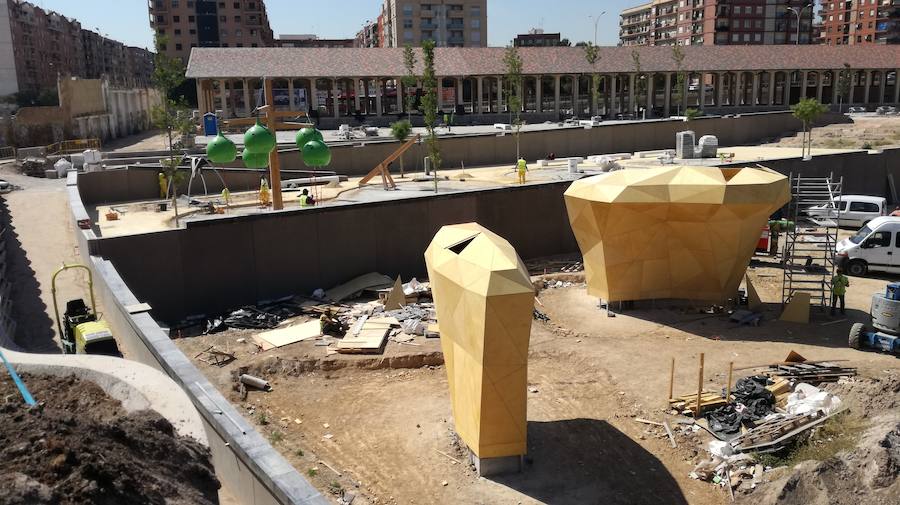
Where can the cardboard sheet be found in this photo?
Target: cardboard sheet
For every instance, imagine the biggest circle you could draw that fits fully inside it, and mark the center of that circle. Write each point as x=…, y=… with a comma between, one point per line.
x=280, y=337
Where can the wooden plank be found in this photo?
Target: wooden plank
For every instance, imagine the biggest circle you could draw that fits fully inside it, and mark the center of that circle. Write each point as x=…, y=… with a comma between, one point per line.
x=288, y=335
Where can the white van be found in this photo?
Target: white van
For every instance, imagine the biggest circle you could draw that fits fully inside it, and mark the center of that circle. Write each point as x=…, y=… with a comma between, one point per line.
x=853, y=210
x=876, y=246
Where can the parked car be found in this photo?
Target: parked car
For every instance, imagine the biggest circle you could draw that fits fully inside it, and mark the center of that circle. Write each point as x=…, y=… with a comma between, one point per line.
x=876, y=246
x=851, y=210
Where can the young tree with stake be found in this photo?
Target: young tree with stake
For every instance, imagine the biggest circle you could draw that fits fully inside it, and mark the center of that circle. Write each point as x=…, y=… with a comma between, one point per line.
x=430, y=106
x=512, y=81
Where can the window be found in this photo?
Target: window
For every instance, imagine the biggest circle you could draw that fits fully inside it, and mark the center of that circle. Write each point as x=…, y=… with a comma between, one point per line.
x=192, y=31
x=237, y=5
x=746, y=37
x=475, y=37
x=191, y=19
x=864, y=207
x=407, y=23
x=476, y=23
x=407, y=35
x=878, y=239
x=238, y=33
x=757, y=37
x=237, y=19
x=735, y=37
x=178, y=47
x=176, y=19
x=254, y=45
x=223, y=19
x=178, y=31
x=407, y=9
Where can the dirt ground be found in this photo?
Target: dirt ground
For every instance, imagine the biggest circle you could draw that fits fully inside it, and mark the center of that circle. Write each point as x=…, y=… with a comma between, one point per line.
x=385, y=432
x=79, y=446
x=866, y=132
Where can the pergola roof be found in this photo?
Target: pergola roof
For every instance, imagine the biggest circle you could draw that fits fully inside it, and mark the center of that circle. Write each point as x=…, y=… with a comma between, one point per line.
x=388, y=62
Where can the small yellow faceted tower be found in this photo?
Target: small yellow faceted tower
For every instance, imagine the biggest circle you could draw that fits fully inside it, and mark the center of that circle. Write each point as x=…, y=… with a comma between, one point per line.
x=484, y=300
x=682, y=232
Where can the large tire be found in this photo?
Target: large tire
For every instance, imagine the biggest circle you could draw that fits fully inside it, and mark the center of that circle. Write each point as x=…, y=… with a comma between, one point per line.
x=857, y=268
x=856, y=332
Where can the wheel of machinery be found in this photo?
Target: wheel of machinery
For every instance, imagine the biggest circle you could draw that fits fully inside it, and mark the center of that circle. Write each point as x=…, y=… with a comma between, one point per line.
x=857, y=268
x=855, y=332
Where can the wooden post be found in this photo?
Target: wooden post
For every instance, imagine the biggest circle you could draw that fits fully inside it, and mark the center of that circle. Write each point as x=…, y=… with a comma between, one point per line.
x=728, y=390
x=699, y=387
x=274, y=162
x=672, y=379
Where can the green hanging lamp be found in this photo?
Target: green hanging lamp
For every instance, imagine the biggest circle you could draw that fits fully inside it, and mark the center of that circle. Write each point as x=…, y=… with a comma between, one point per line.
x=316, y=154
x=221, y=149
x=307, y=135
x=255, y=160
x=259, y=139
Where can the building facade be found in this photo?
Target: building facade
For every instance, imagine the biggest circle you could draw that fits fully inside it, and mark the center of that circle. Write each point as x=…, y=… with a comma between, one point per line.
x=38, y=46
x=309, y=40
x=860, y=22
x=186, y=24
x=537, y=38
x=369, y=35
x=717, y=22
x=449, y=23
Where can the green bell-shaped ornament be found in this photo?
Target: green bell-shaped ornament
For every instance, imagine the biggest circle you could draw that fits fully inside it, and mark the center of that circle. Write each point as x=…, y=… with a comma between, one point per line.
x=255, y=160
x=221, y=150
x=258, y=139
x=316, y=154
x=307, y=135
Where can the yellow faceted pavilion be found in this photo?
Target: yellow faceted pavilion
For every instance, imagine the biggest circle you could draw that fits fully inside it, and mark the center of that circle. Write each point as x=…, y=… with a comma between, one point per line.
x=484, y=300
x=684, y=232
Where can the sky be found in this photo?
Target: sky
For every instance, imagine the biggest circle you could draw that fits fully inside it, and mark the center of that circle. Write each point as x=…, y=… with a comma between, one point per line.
x=128, y=20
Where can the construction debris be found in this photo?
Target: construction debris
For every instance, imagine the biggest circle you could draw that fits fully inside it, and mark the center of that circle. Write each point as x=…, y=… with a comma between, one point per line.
x=255, y=382
x=369, y=282
x=813, y=373
x=213, y=356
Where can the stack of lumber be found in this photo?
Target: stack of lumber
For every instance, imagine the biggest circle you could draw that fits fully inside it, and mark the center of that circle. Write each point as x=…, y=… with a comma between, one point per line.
x=368, y=337
x=708, y=400
x=811, y=373
x=775, y=433
x=781, y=388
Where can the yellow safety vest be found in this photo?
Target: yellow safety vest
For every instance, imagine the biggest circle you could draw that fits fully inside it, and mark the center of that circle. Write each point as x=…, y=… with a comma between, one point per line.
x=522, y=166
x=304, y=200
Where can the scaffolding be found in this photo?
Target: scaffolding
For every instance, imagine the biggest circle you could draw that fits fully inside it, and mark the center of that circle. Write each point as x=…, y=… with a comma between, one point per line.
x=809, y=247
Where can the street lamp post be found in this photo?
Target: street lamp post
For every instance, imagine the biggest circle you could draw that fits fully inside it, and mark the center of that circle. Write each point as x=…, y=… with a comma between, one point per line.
x=799, y=14
x=596, y=20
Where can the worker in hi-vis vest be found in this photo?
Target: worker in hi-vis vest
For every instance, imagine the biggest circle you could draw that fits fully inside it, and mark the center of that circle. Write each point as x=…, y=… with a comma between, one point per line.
x=306, y=200
x=163, y=185
x=521, y=167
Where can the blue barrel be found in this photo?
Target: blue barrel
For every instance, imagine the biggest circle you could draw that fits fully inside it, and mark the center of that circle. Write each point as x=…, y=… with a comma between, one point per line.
x=893, y=291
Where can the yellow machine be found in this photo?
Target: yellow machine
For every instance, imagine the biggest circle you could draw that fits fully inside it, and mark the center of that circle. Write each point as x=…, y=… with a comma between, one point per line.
x=79, y=328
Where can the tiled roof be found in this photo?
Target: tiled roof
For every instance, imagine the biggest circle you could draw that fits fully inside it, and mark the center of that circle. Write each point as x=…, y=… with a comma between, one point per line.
x=388, y=62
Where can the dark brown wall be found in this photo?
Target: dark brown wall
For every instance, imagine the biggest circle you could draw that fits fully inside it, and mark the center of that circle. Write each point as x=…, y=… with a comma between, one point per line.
x=214, y=266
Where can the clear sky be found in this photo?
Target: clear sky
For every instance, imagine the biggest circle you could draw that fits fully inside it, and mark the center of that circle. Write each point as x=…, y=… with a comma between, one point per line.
x=128, y=20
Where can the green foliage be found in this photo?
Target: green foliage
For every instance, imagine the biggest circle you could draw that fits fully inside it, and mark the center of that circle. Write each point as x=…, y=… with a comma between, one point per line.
x=592, y=56
x=840, y=433
x=168, y=73
x=299, y=452
x=400, y=130
x=335, y=488
x=808, y=110
x=640, y=80
x=409, y=80
x=692, y=114
x=844, y=79
x=512, y=81
x=42, y=98
x=430, y=104
x=312, y=472
x=262, y=418
x=276, y=437
x=564, y=43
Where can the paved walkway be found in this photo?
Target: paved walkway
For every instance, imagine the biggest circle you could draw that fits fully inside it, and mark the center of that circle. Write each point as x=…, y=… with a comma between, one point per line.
x=40, y=238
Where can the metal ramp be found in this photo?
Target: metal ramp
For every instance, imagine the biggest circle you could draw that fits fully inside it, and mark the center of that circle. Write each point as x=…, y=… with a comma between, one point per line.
x=808, y=254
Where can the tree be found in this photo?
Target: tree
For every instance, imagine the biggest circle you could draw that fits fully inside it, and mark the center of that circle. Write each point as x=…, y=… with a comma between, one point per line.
x=691, y=113
x=640, y=82
x=564, y=43
x=844, y=79
x=512, y=81
x=592, y=55
x=430, y=105
x=581, y=44
x=171, y=115
x=409, y=80
x=678, y=58
x=807, y=110
x=400, y=131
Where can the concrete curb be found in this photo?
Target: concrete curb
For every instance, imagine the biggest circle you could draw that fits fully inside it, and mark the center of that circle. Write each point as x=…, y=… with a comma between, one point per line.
x=137, y=386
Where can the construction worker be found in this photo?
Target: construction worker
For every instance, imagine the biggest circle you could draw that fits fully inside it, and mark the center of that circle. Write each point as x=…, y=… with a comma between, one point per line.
x=163, y=185
x=226, y=197
x=330, y=325
x=264, y=193
x=839, y=285
x=521, y=167
x=306, y=200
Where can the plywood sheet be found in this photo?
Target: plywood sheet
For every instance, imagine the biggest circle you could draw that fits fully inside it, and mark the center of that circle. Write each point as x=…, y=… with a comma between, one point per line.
x=288, y=335
x=797, y=310
x=372, y=280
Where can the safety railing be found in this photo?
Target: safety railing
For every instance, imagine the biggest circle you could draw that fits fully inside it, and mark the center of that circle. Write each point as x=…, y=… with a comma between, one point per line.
x=73, y=146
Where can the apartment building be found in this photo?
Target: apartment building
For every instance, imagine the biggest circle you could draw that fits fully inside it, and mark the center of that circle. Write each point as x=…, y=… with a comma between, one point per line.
x=537, y=38
x=717, y=22
x=860, y=22
x=37, y=46
x=310, y=40
x=449, y=23
x=210, y=23
x=370, y=34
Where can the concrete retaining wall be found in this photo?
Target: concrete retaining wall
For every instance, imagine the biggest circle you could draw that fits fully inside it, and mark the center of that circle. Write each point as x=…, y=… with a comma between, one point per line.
x=251, y=470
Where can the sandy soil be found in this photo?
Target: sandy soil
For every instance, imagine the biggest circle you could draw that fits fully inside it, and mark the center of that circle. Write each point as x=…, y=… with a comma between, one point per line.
x=874, y=131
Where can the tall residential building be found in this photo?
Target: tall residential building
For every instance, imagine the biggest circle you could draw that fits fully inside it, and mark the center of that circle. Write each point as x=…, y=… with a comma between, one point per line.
x=37, y=46
x=370, y=34
x=860, y=22
x=210, y=23
x=449, y=23
x=716, y=22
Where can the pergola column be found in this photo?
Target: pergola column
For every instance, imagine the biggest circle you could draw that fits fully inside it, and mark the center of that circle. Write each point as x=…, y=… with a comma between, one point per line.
x=702, y=83
x=835, y=78
x=720, y=89
x=755, y=89
x=459, y=93
x=223, y=97
x=499, y=95
x=595, y=95
x=787, y=89
x=613, y=94
x=820, y=85
x=882, y=88
x=401, y=101
x=897, y=85
x=770, y=101
x=667, y=94
x=632, y=106
x=556, y=85
x=379, y=84
x=479, y=103
x=335, y=98
x=247, y=107
x=804, y=79
x=575, y=92
x=650, y=92
x=738, y=90
x=201, y=98
x=291, y=101
x=538, y=94
x=868, y=85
